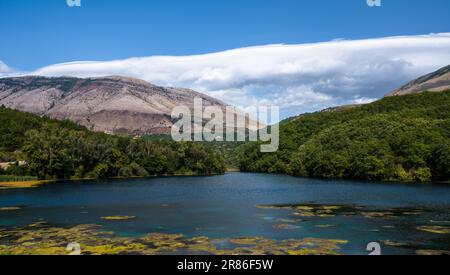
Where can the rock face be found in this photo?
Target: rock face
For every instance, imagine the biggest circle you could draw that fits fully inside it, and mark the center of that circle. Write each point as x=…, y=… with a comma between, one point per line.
x=435, y=82
x=108, y=104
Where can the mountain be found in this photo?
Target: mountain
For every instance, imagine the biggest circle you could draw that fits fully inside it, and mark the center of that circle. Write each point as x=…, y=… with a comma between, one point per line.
x=437, y=81
x=106, y=104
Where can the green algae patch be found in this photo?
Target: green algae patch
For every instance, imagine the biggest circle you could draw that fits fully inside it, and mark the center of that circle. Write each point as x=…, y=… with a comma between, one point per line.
x=315, y=246
x=378, y=214
x=22, y=184
x=325, y=225
x=329, y=211
x=395, y=243
x=10, y=208
x=273, y=207
x=44, y=239
x=113, y=248
x=286, y=226
x=247, y=240
x=435, y=229
x=311, y=210
x=432, y=252
x=118, y=218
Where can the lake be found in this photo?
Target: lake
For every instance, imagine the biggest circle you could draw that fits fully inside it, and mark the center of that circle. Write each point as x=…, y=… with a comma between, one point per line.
x=403, y=218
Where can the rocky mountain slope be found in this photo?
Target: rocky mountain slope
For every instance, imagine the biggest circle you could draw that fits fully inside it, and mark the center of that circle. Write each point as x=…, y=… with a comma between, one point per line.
x=434, y=82
x=106, y=104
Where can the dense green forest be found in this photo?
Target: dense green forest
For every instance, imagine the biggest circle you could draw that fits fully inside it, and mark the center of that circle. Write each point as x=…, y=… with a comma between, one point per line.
x=56, y=149
x=402, y=138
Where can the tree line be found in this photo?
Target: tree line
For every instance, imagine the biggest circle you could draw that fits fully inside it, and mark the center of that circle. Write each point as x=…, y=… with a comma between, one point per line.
x=63, y=150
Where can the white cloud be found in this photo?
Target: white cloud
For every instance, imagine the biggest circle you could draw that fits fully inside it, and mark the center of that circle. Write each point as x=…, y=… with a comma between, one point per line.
x=5, y=70
x=300, y=78
x=362, y=100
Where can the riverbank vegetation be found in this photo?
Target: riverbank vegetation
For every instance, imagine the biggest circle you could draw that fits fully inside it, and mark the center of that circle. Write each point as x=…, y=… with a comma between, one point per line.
x=55, y=149
x=94, y=241
x=401, y=138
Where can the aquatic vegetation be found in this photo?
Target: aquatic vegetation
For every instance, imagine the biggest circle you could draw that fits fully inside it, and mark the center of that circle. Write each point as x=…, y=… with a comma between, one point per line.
x=325, y=225
x=10, y=208
x=22, y=184
x=327, y=211
x=432, y=252
x=412, y=213
x=37, y=224
x=435, y=229
x=118, y=218
x=313, y=246
x=286, y=226
x=378, y=214
x=416, y=246
x=247, y=240
x=309, y=210
x=43, y=239
x=395, y=244
x=273, y=207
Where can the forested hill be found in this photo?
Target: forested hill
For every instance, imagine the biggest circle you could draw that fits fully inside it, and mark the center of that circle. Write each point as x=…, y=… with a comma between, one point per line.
x=56, y=149
x=14, y=124
x=401, y=138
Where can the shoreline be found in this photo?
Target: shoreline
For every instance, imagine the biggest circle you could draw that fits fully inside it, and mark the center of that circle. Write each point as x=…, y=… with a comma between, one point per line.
x=38, y=183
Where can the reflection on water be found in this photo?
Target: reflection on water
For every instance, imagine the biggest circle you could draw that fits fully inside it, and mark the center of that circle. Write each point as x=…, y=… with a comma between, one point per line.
x=277, y=213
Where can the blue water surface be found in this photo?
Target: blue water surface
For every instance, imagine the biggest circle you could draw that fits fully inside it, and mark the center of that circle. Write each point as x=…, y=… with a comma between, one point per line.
x=224, y=206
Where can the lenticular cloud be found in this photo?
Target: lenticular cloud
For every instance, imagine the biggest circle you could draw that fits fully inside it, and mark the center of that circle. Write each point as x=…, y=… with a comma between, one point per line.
x=298, y=78
x=5, y=70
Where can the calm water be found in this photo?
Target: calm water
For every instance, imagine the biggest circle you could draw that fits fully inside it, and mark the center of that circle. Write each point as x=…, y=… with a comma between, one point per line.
x=225, y=206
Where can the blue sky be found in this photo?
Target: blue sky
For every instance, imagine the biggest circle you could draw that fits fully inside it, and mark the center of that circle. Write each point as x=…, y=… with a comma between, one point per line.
x=36, y=33
x=302, y=55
